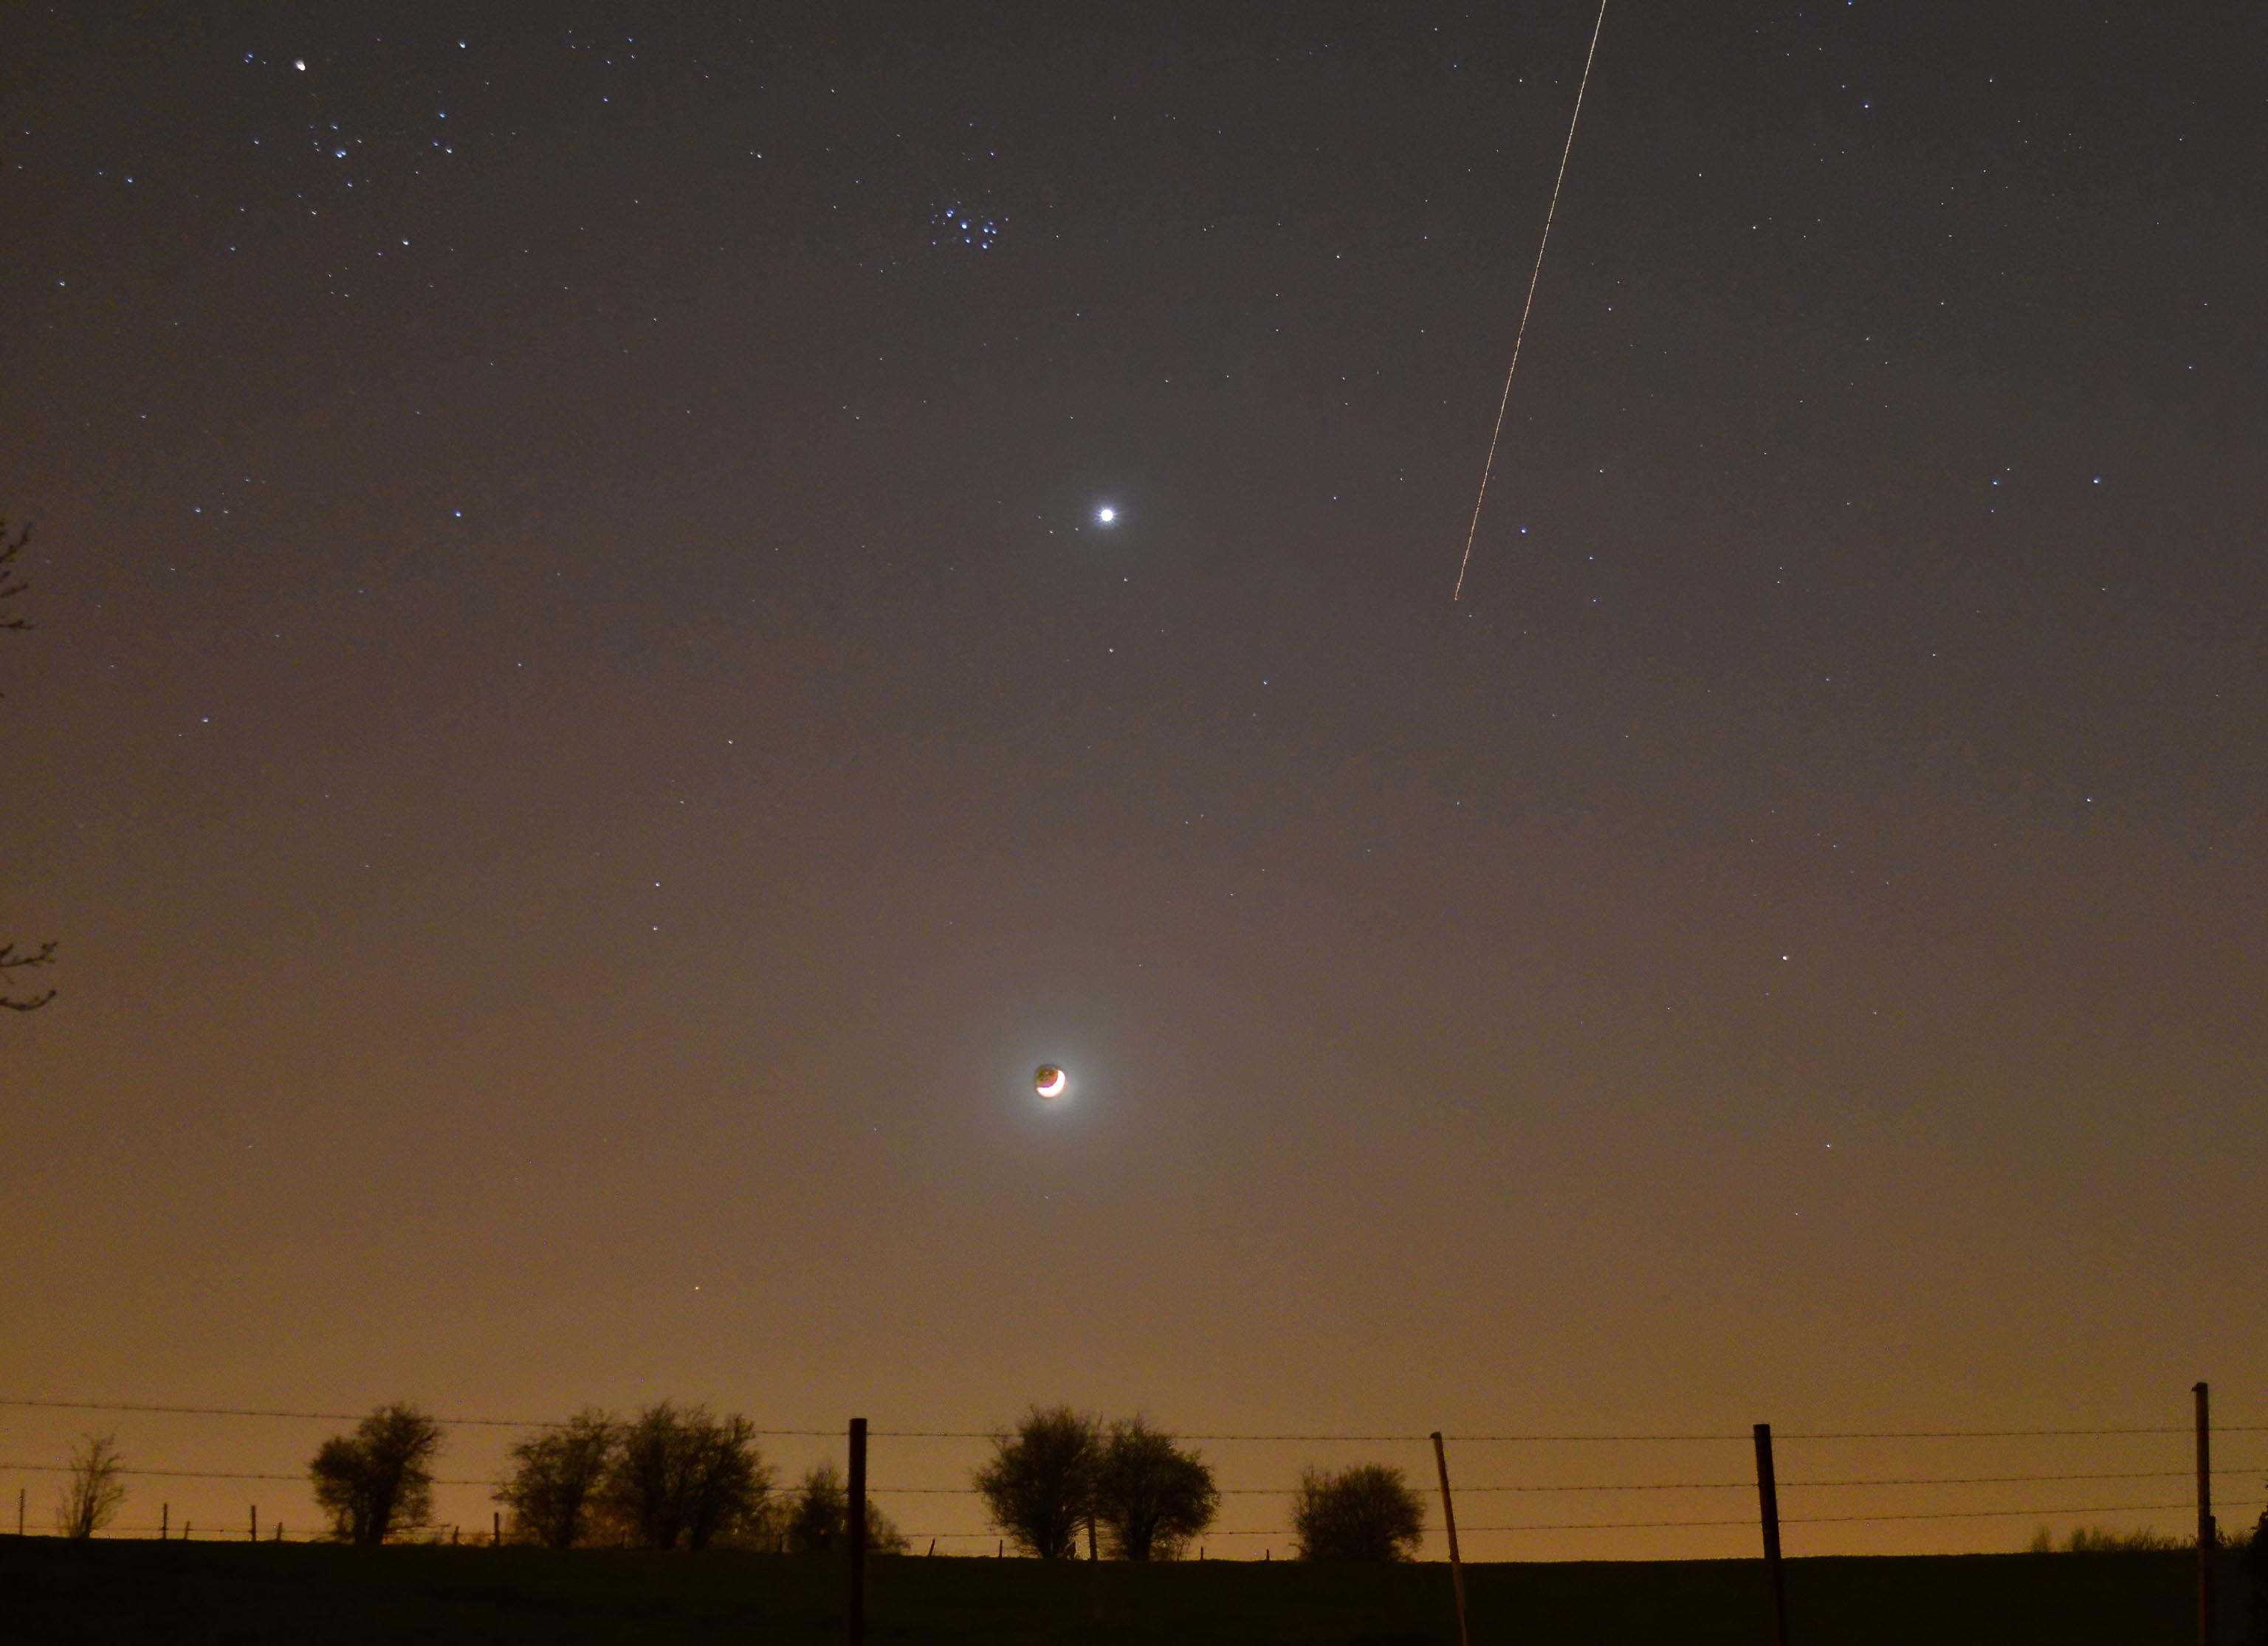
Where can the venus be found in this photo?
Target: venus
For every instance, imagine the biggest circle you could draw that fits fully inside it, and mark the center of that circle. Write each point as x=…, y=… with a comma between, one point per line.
x=1049, y=1081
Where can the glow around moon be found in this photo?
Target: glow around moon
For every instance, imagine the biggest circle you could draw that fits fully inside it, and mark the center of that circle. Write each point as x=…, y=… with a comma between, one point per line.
x=1049, y=1081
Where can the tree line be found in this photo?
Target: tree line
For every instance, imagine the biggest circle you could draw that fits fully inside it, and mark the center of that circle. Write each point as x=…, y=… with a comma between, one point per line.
x=673, y=1477
x=668, y=1477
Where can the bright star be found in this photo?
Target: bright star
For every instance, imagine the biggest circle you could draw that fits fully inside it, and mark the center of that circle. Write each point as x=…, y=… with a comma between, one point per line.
x=1105, y=514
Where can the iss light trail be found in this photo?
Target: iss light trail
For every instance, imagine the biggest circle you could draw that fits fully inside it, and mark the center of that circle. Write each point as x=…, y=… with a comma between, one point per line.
x=1535, y=275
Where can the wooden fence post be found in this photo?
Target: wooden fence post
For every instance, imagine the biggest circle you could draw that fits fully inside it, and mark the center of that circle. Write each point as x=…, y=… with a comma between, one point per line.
x=1449, y=1519
x=854, y=1540
x=2207, y=1538
x=1768, y=1503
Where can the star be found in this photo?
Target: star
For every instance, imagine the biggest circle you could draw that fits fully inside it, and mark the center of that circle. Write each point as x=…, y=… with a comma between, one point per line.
x=1105, y=514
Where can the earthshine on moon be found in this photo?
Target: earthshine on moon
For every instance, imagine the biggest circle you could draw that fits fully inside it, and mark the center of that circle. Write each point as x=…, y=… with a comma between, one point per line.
x=1049, y=1081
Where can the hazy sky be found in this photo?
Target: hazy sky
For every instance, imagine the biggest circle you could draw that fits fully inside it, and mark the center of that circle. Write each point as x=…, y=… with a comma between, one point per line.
x=584, y=736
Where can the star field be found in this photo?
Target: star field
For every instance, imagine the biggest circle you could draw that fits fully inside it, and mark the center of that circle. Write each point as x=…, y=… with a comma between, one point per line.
x=637, y=623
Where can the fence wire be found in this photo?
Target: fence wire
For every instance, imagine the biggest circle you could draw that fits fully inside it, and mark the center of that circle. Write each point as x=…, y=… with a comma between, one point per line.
x=1493, y=1483
x=1317, y=1436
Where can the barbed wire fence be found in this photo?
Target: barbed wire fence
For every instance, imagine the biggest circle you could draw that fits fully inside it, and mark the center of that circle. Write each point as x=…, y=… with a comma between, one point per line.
x=1521, y=1494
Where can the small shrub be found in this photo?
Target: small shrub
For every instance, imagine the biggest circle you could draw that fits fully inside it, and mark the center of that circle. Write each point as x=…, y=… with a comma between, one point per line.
x=1366, y=1512
x=2103, y=1540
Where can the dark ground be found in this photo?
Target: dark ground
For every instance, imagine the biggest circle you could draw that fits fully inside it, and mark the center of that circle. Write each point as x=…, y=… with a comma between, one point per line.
x=52, y=1590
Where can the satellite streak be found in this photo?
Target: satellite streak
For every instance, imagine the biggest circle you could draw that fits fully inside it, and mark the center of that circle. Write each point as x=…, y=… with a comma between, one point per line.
x=1537, y=273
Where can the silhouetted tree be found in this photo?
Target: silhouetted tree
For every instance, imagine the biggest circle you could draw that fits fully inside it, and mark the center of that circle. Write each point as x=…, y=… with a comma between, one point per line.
x=1039, y=1486
x=555, y=1478
x=1366, y=1512
x=819, y=1514
x=91, y=1492
x=379, y=1480
x=13, y=960
x=682, y=1477
x=1150, y=1495
x=815, y=1515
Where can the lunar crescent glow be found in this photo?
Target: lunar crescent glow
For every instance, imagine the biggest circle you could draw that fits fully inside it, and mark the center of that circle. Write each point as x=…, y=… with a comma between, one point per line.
x=1049, y=1081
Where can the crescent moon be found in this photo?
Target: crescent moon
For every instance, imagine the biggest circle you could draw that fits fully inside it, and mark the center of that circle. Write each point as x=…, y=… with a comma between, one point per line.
x=1051, y=1082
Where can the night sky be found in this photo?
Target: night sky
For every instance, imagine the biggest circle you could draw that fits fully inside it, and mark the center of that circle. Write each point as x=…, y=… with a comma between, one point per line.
x=585, y=733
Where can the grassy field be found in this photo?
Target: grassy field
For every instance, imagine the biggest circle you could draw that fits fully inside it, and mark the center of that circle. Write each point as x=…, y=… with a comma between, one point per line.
x=52, y=1590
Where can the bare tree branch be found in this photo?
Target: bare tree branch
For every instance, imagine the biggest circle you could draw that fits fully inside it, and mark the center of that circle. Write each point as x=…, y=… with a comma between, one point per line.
x=11, y=961
x=11, y=585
